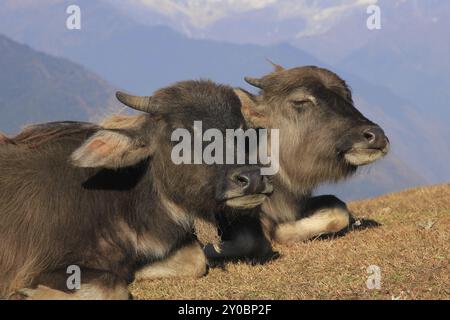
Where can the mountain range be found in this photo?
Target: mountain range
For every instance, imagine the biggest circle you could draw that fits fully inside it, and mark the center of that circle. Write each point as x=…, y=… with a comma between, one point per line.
x=36, y=87
x=140, y=57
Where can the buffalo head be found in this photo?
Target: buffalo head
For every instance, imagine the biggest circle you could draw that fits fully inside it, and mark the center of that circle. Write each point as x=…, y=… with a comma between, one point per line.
x=323, y=136
x=127, y=141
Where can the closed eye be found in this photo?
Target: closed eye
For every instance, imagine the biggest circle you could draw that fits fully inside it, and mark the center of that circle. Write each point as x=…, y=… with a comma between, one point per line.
x=302, y=103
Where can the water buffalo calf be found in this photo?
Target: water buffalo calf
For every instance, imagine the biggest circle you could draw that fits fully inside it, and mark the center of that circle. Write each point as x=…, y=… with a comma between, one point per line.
x=323, y=138
x=111, y=201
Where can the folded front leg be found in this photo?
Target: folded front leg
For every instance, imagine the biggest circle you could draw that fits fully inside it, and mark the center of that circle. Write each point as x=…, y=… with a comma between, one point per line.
x=323, y=215
x=188, y=261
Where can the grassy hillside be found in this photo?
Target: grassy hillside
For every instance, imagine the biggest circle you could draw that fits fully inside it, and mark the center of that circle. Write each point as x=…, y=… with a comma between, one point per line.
x=411, y=247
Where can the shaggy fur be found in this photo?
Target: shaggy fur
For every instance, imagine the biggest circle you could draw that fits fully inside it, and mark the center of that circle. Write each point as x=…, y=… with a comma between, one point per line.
x=319, y=125
x=109, y=198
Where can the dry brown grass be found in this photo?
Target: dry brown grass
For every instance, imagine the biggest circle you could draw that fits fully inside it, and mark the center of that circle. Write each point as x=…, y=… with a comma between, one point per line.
x=411, y=247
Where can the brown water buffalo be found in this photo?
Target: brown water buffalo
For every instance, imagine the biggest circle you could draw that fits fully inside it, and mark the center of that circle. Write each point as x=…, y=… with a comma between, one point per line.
x=323, y=138
x=110, y=201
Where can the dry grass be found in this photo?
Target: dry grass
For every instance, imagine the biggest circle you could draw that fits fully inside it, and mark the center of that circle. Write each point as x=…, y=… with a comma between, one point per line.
x=411, y=247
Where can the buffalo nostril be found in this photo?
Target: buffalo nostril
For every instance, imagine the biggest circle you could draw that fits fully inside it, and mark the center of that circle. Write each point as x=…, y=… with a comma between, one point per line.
x=370, y=136
x=242, y=180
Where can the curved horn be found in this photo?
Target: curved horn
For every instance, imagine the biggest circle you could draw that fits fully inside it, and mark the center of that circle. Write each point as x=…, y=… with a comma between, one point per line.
x=254, y=82
x=135, y=102
x=277, y=67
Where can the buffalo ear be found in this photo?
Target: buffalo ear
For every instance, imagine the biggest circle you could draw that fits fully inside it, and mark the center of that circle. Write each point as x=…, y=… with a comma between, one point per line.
x=111, y=149
x=253, y=113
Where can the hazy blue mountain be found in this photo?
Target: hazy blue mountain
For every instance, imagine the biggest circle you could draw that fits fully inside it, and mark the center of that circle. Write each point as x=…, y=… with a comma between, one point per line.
x=402, y=69
x=260, y=25
x=39, y=88
x=140, y=58
x=132, y=55
x=35, y=87
x=408, y=55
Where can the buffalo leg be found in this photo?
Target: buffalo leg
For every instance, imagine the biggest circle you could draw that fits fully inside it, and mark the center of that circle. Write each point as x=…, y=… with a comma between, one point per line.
x=243, y=239
x=323, y=215
x=95, y=285
x=188, y=261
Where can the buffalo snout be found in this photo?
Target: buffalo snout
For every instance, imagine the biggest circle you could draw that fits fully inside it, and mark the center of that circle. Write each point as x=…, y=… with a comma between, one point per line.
x=250, y=181
x=365, y=145
x=245, y=188
x=375, y=138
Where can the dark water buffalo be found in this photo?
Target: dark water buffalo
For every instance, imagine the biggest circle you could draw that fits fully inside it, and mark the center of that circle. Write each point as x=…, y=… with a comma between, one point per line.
x=323, y=138
x=111, y=201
